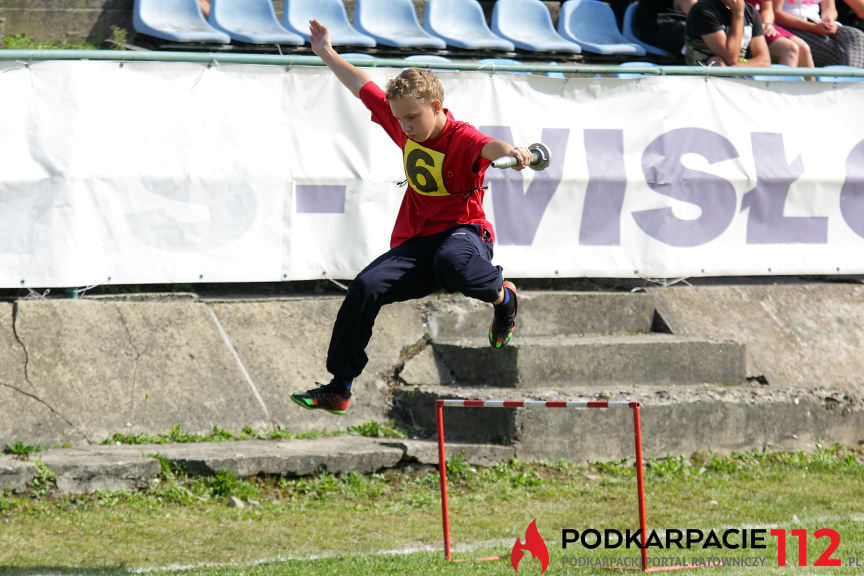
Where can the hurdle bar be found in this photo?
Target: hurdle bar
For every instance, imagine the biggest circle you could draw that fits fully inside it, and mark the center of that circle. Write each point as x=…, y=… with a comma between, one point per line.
x=637, y=432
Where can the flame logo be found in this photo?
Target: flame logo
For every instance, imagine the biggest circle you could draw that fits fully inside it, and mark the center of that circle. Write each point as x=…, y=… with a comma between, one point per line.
x=534, y=544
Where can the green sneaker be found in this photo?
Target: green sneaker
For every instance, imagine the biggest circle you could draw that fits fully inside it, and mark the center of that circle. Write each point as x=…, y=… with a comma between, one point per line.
x=504, y=321
x=331, y=397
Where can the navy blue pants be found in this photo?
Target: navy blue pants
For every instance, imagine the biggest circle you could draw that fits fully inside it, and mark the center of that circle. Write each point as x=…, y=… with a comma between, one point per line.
x=458, y=260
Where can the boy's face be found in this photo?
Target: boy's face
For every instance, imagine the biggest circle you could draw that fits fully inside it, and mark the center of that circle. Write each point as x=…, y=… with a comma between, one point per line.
x=420, y=119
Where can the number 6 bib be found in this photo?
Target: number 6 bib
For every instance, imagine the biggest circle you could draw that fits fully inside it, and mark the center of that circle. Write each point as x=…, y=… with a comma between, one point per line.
x=423, y=169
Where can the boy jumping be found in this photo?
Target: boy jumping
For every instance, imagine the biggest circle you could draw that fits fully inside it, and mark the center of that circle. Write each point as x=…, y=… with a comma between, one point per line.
x=441, y=238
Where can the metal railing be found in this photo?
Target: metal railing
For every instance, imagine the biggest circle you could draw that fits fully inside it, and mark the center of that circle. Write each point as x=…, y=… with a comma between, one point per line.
x=27, y=56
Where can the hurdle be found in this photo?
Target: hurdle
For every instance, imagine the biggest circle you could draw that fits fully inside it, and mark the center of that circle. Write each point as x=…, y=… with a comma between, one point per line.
x=440, y=404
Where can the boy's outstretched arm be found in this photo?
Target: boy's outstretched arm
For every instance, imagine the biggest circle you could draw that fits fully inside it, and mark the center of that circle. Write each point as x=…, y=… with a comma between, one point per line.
x=498, y=148
x=351, y=76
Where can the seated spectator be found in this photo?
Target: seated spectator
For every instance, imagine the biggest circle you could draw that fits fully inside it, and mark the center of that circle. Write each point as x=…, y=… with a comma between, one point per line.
x=204, y=6
x=783, y=46
x=816, y=23
x=725, y=33
x=851, y=13
x=663, y=23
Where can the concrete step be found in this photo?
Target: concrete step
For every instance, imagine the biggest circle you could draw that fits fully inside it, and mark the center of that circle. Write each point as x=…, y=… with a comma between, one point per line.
x=563, y=361
x=125, y=468
x=547, y=314
x=704, y=418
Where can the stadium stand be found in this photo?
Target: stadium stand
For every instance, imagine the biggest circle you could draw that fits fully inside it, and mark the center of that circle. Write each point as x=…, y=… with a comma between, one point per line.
x=766, y=78
x=491, y=63
x=633, y=64
x=462, y=24
x=528, y=24
x=592, y=25
x=175, y=21
x=839, y=68
x=394, y=23
x=251, y=22
x=297, y=13
x=628, y=33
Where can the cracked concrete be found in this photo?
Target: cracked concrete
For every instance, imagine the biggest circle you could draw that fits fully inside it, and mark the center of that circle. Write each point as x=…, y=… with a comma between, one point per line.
x=73, y=371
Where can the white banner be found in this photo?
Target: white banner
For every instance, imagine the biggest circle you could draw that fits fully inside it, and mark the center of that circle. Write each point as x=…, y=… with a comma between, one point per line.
x=177, y=173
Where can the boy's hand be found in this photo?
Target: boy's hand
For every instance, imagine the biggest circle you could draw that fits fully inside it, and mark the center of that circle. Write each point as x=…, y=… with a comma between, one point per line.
x=523, y=155
x=319, y=38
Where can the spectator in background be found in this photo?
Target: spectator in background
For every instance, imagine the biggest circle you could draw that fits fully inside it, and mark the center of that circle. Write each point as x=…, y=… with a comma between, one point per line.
x=783, y=46
x=816, y=23
x=851, y=13
x=663, y=23
x=204, y=6
x=725, y=33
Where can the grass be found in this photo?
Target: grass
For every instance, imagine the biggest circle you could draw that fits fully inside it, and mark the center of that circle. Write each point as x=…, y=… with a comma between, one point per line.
x=179, y=436
x=345, y=525
x=24, y=42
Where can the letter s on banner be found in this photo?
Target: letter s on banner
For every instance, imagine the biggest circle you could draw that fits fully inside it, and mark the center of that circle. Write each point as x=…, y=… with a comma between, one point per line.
x=665, y=174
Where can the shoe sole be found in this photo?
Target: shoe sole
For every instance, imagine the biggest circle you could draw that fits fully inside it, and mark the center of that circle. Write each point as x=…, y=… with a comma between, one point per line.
x=302, y=404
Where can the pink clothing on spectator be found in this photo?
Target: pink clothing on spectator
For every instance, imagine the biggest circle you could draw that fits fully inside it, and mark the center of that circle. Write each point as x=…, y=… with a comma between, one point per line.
x=778, y=32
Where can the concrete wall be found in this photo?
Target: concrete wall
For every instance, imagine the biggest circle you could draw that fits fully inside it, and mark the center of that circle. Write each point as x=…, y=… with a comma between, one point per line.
x=74, y=21
x=78, y=371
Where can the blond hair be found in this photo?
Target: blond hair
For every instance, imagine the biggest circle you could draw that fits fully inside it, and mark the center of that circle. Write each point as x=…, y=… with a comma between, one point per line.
x=421, y=84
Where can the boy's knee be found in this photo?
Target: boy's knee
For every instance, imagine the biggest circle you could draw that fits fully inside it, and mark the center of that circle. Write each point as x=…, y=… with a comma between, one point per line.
x=449, y=267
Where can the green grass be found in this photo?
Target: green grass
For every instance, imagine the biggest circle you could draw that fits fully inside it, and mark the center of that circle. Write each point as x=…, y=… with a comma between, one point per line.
x=345, y=525
x=24, y=42
x=179, y=436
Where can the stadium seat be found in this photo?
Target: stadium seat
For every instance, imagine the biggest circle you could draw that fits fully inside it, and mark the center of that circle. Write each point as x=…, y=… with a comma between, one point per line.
x=394, y=23
x=358, y=56
x=462, y=24
x=421, y=58
x=491, y=63
x=592, y=25
x=630, y=35
x=633, y=64
x=528, y=25
x=296, y=15
x=175, y=21
x=840, y=68
x=250, y=21
x=555, y=74
x=767, y=78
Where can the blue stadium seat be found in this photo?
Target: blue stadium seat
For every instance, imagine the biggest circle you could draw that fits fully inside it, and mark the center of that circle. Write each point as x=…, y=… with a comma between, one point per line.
x=250, y=21
x=357, y=55
x=630, y=35
x=767, y=78
x=394, y=23
x=419, y=59
x=634, y=64
x=555, y=74
x=297, y=13
x=528, y=25
x=491, y=63
x=462, y=24
x=840, y=68
x=175, y=21
x=592, y=25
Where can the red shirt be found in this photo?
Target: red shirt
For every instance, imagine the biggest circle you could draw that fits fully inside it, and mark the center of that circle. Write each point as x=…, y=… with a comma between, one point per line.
x=444, y=173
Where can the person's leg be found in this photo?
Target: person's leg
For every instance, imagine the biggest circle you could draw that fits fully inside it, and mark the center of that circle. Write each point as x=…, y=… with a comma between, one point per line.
x=784, y=51
x=403, y=273
x=463, y=263
x=805, y=58
x=851, y=42
x=825, y=50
